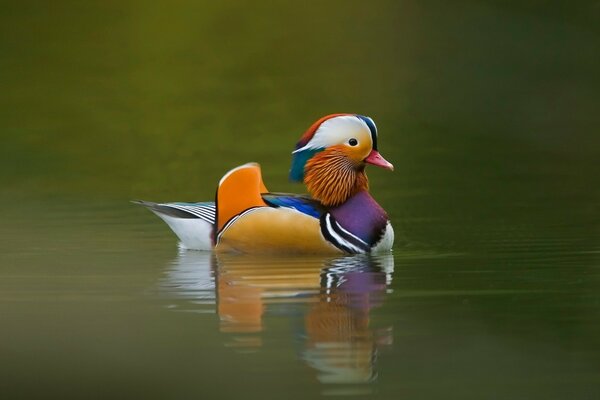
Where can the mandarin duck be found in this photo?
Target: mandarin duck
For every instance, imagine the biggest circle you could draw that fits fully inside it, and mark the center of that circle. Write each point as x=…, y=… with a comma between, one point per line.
x=339, y=215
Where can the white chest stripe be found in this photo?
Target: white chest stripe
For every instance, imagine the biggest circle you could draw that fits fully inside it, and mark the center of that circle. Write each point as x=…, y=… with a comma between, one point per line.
x=331, y=233
x=350, y=234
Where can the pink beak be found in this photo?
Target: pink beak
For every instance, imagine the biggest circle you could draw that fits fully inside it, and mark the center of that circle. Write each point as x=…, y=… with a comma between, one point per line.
x=377, y=159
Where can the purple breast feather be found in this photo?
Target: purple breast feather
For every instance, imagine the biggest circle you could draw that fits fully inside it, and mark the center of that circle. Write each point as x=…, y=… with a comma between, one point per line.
x=362, y=216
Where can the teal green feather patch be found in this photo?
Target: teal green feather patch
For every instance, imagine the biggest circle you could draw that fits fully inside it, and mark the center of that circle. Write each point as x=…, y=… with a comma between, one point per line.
x=299, y=160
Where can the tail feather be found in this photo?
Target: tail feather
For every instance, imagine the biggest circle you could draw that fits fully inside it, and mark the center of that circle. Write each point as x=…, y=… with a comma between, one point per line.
x=205, y=211
x=192, y=222
x=197, y=224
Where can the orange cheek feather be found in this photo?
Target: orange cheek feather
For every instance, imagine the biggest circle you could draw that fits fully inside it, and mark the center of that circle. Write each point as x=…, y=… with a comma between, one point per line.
x=357, y=153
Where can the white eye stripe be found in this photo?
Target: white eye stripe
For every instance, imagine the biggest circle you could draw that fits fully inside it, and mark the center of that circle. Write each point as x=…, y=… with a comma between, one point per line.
x=337, y=130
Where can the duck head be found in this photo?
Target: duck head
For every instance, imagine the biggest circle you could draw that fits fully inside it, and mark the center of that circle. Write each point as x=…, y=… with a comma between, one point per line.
x=331, y=157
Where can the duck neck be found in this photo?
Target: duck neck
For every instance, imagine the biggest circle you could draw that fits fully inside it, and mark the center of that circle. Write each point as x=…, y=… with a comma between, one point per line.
x=332, y=178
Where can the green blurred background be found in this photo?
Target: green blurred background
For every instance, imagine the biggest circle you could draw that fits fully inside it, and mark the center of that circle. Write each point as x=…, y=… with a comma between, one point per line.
x=489, y=110
x=122, y=98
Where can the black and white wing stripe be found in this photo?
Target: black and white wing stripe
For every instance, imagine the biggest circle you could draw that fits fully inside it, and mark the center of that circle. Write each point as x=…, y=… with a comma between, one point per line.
x=204, y=211
x=340, y=237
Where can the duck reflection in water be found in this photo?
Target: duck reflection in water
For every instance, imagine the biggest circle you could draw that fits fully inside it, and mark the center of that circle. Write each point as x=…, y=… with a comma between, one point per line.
x=328, y=301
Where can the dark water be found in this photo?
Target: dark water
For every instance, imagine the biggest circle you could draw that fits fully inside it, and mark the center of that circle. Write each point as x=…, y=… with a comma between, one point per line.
x=488, y=110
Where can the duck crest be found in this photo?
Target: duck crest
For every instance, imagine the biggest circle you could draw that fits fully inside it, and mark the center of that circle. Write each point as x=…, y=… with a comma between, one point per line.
x=332, y=178
x=310, y=132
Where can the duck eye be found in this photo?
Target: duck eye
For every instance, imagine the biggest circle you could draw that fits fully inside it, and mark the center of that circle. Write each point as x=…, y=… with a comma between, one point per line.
x=352, y=142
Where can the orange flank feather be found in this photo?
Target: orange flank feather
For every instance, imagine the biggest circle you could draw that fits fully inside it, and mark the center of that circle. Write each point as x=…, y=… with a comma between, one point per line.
x=260, y=229
x=239, y=190
x=275, y=230
x=332, y=177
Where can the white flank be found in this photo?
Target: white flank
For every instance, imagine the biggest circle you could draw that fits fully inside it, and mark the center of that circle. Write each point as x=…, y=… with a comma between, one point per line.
x=194, y=233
